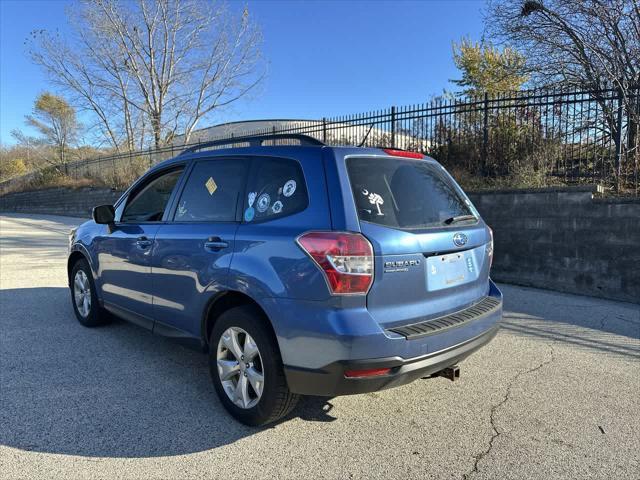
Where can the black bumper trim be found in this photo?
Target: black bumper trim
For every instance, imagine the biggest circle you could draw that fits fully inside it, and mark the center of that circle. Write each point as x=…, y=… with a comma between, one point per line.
x=484, y=307
x=330, y=380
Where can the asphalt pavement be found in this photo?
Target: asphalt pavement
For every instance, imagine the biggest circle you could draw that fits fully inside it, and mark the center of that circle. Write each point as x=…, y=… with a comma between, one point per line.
x=555, y=395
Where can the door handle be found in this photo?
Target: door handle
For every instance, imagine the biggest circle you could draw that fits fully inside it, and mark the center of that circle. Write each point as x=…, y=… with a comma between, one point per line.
x=215, y=243
x=143, y=242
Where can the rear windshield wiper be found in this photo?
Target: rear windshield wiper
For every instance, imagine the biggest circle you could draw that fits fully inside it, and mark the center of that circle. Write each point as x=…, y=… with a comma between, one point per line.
x=459, y=218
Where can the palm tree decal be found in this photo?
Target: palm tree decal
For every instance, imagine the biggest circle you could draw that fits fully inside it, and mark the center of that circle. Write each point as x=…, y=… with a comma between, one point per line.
x=374, y=199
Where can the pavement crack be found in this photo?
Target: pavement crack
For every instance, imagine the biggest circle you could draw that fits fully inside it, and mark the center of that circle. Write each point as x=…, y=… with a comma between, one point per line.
x=577, y=305
x=602, y=321
x=494, y=409
x=627, y=320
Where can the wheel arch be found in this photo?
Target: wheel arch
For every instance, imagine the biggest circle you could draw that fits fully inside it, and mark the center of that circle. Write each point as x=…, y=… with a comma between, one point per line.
x=225, y=301
x=74, y=257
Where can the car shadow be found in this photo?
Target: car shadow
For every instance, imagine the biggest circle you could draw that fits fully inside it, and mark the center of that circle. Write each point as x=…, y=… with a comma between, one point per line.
x=112, y=391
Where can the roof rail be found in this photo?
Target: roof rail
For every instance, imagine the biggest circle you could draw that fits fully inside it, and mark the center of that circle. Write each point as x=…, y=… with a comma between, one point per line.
x=256, y=141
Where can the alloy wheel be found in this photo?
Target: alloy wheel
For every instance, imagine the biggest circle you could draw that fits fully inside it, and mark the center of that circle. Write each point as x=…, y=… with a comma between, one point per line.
x=240, y=367
x=82, y=293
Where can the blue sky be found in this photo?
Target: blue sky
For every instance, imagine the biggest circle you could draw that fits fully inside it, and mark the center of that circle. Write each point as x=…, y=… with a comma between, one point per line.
x=325, y=58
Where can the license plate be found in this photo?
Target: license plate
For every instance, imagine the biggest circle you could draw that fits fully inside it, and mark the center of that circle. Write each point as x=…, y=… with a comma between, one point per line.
x=444, y=271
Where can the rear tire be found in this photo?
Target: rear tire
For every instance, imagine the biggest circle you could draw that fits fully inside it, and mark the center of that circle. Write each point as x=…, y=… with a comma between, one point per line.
x=84, y=297
x=242, y=331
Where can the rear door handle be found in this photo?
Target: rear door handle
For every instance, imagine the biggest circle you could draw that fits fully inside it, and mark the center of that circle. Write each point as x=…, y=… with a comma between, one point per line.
x=215, y=243
x=143, y=242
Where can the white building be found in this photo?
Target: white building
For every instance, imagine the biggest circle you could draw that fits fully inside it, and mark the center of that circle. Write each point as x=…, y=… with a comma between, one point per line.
x=332, y=132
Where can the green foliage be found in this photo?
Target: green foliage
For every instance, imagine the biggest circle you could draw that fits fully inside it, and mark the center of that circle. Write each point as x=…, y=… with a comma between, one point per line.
x=487, y=69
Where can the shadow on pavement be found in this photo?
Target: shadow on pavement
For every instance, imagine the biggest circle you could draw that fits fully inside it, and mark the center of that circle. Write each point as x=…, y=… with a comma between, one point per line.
x=119, y=391
x=114, y=391
x=608, y=326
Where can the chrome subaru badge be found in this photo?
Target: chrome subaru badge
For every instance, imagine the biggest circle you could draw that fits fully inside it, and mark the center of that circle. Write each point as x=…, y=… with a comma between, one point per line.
x=460, y=239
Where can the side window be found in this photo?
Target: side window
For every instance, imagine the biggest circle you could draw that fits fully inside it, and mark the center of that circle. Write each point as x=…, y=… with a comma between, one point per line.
x=276, y=189
x=148, y=204
x=212, y=191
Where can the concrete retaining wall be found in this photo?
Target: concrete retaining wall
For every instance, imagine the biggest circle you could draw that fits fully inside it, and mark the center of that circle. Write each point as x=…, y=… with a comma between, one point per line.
x=59, y=201
x=565, y=240
x=559, y=239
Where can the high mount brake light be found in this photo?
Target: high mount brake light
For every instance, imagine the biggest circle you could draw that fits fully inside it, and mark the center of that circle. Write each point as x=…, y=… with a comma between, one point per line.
x=346, y=259
x=403, y=153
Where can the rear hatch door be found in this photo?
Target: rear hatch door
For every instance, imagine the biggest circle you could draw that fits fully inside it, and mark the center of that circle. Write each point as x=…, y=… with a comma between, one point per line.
x=430, y=243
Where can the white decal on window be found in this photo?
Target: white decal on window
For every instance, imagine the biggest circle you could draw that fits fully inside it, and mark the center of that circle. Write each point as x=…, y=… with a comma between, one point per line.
x=182, y=209
x=264, y=201
x=289, y=188
x=276, y=207
x=252, y=198
x=374, y=199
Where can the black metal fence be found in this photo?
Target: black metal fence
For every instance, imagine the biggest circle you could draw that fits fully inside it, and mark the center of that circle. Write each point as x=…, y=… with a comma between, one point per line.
x=526, y=138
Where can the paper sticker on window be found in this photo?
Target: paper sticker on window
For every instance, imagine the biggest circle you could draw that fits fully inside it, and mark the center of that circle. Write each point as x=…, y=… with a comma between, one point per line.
x=249, y=213
x=276, y=207
x=264, y=201
x=211, y=186
x=289, y=188
x=252, y=198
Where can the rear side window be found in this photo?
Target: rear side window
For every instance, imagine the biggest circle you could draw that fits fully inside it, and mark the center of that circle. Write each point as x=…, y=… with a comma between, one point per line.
x=276, y=189
x=212, y=191
x=400, y=193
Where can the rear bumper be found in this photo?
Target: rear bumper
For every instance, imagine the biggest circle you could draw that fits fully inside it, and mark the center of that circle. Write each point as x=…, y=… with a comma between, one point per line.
x=331, y=380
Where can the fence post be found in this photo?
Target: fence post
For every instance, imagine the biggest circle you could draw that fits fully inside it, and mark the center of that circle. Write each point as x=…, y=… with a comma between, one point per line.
x=393, y=127
x=618, y=140
x=324, y=130
x=485, y=134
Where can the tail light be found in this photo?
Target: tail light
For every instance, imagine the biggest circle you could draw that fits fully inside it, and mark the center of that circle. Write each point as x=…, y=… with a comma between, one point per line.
x=489, y=248
x=346, y=260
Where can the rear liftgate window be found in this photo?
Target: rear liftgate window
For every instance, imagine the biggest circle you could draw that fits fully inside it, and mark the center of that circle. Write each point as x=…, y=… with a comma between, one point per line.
x=406, y=194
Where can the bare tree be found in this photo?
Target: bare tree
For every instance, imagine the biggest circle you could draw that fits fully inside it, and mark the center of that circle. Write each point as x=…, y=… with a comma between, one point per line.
x=592, y=44
x=150, y=69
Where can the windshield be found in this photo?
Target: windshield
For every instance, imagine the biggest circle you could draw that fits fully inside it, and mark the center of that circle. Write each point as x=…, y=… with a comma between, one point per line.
x=408, y=194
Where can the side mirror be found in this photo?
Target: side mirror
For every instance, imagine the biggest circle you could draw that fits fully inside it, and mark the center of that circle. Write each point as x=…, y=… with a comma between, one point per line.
x=104, y=214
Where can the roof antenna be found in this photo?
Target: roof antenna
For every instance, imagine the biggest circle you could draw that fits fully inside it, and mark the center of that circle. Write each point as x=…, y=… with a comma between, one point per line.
x=367, y=135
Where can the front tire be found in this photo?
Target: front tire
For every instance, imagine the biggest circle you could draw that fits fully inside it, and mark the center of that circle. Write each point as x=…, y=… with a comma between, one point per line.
x=246, y=368
x=84, y=297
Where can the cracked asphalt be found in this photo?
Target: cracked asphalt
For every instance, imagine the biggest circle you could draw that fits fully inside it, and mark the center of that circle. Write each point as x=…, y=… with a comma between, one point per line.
x=555, y=395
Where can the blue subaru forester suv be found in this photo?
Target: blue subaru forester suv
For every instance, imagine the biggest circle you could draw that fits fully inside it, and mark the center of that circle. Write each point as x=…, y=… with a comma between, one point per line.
x=302, y=269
